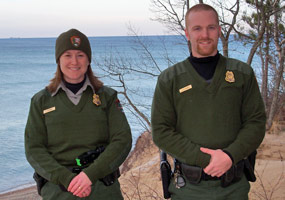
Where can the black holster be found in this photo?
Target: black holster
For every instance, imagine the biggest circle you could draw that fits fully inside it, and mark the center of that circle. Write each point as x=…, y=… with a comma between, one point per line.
x=40, y=182
x=165, y=170
x=249, y=165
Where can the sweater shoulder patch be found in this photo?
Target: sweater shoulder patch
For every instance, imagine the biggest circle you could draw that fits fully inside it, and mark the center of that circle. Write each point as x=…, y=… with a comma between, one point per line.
x=41, y=94
x=236, y=65
x=109, y=91
x=176, y=70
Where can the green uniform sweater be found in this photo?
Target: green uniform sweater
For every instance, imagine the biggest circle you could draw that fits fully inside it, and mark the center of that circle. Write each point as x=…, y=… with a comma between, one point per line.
x=188, y=113
x=58, y=131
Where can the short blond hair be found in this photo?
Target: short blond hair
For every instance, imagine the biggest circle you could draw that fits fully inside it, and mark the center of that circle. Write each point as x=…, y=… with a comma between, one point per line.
x=201, y=7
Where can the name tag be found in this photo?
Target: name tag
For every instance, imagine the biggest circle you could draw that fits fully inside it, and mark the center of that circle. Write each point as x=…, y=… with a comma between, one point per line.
x=188, y=87
x=49, y=110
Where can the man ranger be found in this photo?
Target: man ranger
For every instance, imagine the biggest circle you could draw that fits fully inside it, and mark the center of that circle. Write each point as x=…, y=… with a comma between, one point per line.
x=208, y=114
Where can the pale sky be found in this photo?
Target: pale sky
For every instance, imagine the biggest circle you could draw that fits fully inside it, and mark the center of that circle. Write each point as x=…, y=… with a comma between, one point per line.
x=49, y=18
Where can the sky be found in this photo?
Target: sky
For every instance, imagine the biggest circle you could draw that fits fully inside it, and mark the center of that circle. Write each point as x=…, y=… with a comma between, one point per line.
x=49, y=18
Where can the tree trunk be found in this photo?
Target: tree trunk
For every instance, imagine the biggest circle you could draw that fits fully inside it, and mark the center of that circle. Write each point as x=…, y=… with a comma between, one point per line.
x=225, y=44
x=264, y=90
x=279, y=76
x=274, y=103
x=261, y=10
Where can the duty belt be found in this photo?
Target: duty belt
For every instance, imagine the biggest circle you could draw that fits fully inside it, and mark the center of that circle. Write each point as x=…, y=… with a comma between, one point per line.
x=195, y=174
x=206, y=177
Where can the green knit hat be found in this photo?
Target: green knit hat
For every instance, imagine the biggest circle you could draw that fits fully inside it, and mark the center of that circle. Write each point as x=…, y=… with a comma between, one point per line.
x=72, y=40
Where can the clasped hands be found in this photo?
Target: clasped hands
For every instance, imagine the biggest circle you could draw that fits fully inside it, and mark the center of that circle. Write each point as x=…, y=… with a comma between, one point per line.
x=80, y=185
x=220, y=162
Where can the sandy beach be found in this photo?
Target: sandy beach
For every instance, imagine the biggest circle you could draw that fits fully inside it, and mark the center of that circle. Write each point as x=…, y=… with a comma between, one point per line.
x=29, y=193
x=140, y=177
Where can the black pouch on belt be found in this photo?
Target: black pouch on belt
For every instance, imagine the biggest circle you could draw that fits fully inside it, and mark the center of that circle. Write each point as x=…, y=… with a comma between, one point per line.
x=192, y=173
x=233, y=175
x=239, y=170
x=111, y=178
x=228, y=177
x=40, y=182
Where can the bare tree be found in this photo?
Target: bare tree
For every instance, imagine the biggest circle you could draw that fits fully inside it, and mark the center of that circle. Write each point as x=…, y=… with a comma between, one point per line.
x=122, y=71
x=171, y=13
x=280, y=48
x=264, y=58
x=116, y=68
x=228, y=19
x=265, y=33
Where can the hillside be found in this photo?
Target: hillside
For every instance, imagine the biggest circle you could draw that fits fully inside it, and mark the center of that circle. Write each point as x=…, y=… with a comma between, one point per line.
x=140, y=177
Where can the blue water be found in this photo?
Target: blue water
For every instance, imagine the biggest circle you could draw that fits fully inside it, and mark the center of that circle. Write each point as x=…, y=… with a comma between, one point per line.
x=27, y=65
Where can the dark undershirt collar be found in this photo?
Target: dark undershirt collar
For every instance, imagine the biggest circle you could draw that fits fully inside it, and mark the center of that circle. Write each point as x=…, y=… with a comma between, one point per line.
x=74, y=87
x=205, y=66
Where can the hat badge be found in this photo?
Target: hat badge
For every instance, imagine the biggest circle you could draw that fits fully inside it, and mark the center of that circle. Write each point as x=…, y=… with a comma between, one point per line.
x=230, y=77
x=75, y=41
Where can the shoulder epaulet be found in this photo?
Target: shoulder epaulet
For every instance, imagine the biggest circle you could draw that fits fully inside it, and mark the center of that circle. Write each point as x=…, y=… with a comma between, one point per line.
x=41, y=94
x=237, y=65
x=105, y=89
x=175, y=70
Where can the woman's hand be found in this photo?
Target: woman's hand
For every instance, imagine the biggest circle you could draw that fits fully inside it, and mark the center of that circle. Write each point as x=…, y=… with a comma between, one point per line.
x=85, y=193
x=80, y=185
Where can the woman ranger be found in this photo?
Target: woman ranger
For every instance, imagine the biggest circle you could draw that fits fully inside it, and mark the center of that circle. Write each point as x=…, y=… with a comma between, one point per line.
x=77, y=134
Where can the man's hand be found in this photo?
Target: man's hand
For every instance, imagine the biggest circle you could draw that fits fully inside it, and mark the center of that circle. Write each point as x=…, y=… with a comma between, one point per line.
x=80, y=185
x=220, y=162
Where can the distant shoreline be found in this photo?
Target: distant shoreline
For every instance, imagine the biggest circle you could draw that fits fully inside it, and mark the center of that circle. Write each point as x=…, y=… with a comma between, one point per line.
x=102, y=36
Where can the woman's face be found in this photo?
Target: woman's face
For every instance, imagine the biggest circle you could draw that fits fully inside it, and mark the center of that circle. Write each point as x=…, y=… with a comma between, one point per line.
x=73, y=65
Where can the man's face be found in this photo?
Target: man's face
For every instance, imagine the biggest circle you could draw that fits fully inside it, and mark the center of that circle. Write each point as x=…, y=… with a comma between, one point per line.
x=203, y=32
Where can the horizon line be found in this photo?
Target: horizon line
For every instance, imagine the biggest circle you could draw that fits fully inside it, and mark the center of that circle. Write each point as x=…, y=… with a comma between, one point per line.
x=39, y=37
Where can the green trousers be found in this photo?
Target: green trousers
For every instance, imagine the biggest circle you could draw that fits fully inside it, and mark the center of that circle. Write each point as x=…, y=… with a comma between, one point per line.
x=210, y=190
x=99, y=191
